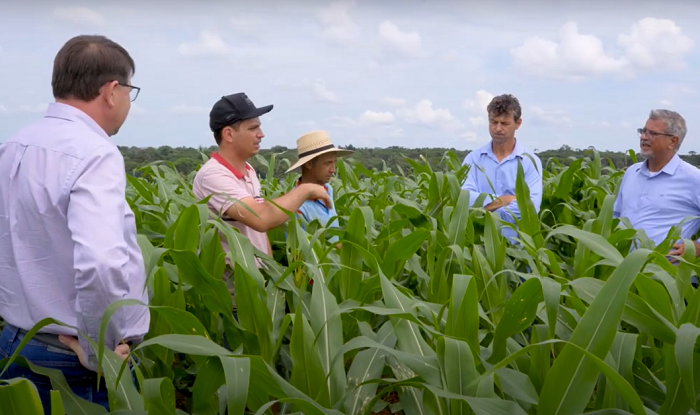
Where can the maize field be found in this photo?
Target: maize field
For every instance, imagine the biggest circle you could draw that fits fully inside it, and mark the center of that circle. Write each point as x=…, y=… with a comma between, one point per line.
x=424, y=309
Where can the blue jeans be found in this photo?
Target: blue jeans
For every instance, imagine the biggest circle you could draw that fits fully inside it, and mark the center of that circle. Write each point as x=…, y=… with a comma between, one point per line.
x=82, y=381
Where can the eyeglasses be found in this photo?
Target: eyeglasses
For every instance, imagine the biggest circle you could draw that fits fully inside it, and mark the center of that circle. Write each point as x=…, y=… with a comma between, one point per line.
x=133, y=92
x=651, y=134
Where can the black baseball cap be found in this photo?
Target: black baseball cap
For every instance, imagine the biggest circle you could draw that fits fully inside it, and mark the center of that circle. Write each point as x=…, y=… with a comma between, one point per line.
x=232, y=108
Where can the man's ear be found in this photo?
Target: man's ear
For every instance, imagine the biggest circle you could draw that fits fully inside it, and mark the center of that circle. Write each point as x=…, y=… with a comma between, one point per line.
x=107, y=92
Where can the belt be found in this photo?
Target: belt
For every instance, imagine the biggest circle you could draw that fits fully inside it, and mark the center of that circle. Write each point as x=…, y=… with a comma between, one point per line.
x=46, y=338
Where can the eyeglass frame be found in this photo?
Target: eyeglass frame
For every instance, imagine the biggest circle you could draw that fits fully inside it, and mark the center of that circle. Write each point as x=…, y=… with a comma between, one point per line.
x=651, y=133
x=138, y=89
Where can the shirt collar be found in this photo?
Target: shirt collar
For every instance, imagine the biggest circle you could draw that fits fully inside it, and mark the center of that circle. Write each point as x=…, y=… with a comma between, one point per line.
x=325, y=186
x=71, y=113
x=518, y=150
x=223, y=162
x=670, y=167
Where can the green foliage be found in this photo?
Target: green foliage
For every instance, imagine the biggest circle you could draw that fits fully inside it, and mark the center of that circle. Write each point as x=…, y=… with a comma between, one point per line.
x=425, y=308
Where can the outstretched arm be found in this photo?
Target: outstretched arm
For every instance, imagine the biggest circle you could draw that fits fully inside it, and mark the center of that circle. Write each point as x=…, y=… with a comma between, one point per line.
x=234, y=200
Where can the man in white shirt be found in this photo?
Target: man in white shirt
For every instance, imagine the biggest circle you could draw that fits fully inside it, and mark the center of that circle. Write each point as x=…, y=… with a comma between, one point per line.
x=67, y=234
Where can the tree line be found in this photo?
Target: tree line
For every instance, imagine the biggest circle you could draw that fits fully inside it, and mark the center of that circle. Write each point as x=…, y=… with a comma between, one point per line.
x=187, y=159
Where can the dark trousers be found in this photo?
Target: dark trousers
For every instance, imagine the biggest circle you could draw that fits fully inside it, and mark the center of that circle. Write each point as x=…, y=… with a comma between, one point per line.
x=82, y=381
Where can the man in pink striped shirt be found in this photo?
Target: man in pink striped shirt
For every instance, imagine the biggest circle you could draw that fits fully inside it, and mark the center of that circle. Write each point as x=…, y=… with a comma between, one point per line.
x=231, y=180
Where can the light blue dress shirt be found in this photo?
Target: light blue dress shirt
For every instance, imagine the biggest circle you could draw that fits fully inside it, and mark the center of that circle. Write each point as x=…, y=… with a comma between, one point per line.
x=67, y=234
x=655, y=202
x=486, y=171
x=311, y=210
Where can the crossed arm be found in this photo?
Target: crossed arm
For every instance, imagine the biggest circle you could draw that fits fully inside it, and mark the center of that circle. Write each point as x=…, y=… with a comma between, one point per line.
x=506, y=204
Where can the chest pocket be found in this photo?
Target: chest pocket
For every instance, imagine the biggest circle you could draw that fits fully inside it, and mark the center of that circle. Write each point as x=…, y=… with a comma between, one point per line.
x=635, y=198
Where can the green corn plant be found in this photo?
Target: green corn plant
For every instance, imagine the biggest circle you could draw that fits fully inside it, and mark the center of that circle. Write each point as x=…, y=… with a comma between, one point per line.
x=424, y=307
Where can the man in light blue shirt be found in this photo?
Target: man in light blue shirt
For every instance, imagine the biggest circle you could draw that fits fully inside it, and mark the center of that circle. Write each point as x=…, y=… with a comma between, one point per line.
x=494, y=166
x=317, y=156
x=663, y=190
x=67, y=234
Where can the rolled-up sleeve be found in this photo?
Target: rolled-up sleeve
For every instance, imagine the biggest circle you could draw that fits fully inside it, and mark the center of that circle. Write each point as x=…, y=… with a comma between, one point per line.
x=225, y=191
x=103, y=260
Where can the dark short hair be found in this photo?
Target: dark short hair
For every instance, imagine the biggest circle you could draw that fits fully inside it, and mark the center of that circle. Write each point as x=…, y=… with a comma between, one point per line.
x=217, y=134
x=505, y=104
x=87, y=62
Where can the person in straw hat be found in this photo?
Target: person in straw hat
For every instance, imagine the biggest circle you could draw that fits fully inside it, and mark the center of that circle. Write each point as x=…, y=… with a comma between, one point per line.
x=316, y=159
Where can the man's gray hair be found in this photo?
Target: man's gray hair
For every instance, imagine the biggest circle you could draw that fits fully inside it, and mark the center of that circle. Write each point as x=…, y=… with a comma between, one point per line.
x=675, y=123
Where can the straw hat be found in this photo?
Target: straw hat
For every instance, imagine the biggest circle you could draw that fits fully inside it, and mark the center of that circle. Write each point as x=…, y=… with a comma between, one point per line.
x=313, y=144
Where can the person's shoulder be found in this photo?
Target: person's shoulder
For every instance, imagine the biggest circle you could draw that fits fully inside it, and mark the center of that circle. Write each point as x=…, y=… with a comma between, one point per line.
x=692, y=171
x=210, y=168
x=632, y=170
x=527, y=154
x=66, y=137
x=210, y=174
x=473, y=155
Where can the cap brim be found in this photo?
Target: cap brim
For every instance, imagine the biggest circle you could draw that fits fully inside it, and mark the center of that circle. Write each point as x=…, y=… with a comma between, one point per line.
x=303, y=160
x=260, y=111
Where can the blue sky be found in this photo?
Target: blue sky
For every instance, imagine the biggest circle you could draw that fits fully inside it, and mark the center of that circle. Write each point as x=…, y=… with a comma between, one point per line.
x=375, y=74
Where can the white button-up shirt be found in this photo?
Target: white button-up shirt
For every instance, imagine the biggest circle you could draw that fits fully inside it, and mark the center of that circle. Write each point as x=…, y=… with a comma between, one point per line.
x=67, y=234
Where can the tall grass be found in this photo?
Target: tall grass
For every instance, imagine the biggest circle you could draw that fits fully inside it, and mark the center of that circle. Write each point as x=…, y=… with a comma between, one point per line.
x=424, y=309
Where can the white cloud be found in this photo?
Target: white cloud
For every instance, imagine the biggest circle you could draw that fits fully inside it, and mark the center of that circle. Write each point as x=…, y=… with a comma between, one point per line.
x=575, y=56
x=424, y=113
x=393, y=102
x=321, y=93
x=209, y=44
x=553, y=117
x=656, y=43
x=479, y=103
x=337, y=23
x=405, y=44
x=79, y=15
x=34, y=108
x=372, y=118
x=189, y=109
x=3, y=109
x=666, y=103
x=650, y=44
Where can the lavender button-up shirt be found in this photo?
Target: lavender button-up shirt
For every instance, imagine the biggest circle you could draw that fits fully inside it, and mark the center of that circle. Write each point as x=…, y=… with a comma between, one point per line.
x=656, y=202
x=67, y=234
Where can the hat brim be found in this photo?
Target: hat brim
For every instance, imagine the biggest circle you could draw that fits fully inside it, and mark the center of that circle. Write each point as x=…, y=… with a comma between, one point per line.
x=259, y=111
x=304, y=160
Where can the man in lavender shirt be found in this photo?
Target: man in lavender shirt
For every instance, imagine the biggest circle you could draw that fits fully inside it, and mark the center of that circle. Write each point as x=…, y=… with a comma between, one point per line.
x=662, y=191
x=67, y=234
